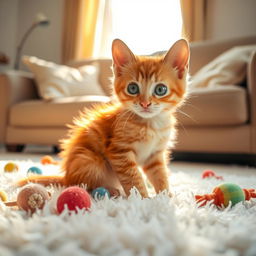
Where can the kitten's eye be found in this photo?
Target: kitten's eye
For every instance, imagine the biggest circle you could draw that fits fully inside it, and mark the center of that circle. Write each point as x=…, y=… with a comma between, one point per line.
x=133, y=88
x=160, y=90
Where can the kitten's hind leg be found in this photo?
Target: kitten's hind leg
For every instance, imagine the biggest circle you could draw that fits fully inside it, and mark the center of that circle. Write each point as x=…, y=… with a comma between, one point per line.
x=87, y=167
x=84, y=166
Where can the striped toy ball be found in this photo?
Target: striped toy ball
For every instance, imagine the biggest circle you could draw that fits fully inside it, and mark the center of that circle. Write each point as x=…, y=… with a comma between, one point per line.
x=228, y=192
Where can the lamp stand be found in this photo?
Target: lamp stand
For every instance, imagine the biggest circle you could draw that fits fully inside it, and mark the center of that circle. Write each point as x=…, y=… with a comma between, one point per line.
x=21, y=44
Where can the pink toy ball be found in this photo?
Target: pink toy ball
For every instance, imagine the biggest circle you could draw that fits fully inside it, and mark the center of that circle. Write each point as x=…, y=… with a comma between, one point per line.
x=74, y=198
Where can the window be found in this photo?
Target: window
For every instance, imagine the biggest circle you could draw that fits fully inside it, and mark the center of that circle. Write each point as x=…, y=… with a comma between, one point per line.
x=146, y=26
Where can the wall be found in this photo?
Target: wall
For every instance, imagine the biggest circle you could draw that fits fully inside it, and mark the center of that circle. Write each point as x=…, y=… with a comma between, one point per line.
x=225, y=19
x=44, y=42
x=230, y=18
x=16, y=16
x=8, y=29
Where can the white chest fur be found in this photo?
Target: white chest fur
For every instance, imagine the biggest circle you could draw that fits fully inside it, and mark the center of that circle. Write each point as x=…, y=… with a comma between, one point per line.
x=152, y=138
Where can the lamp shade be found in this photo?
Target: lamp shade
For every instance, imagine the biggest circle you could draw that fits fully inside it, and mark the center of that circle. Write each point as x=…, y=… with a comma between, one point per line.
x=41, y=19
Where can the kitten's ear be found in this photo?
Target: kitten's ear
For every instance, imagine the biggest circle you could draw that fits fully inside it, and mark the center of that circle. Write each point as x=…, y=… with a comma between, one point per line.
x=122, y=55
x=178, y=57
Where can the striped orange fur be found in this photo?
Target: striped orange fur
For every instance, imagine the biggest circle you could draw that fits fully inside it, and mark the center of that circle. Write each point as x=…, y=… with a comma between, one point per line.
x=109, y=144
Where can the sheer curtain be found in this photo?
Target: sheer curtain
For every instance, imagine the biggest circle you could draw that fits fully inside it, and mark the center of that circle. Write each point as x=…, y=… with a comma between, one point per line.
x=79, y=29
x=146, y=26
x=194, y=19
x=104, y=30
x=72, y=23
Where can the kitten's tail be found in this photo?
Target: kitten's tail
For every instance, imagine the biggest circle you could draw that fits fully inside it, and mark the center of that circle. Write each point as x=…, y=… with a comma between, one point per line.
x=43, y=180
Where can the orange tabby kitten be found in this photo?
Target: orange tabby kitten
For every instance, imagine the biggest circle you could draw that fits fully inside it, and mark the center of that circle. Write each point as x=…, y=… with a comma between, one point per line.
x=108, y=144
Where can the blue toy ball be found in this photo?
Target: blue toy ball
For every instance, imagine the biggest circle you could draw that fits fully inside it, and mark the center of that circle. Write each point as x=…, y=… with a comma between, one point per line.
x=100, y=193
x=34, y=170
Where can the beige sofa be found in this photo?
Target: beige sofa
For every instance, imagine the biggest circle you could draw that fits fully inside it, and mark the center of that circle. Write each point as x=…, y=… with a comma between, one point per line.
x=221, y=120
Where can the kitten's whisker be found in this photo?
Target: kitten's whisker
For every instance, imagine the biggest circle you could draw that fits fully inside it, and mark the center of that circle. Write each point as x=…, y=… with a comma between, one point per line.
x=183, y=127
x=131, y=114
x=191, y=105
x=120, y=115
x=185, y=114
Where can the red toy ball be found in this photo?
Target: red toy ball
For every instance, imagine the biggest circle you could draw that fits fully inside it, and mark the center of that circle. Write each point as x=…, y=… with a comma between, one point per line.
x=75, y=198
x=210, y=173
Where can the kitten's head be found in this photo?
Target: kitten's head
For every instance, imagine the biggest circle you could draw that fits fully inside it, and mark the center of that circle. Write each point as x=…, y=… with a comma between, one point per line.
x=153, y=84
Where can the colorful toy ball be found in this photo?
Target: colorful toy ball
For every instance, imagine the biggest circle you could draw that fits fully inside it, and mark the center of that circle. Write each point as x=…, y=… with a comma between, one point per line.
x=100, y=193
x=34, y=170
x=74, y=198
x=210, y=173
x=32, y=197
x=11, y=167
x=225, y=193
x=48, y=160
x=3, y=196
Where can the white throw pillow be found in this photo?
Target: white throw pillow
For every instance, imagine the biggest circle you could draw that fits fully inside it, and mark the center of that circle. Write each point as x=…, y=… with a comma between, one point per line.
x=55, y=81
x=229, y=68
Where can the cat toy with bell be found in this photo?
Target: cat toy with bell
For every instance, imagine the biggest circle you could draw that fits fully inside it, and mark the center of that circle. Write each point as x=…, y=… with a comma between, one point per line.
x=30, y=198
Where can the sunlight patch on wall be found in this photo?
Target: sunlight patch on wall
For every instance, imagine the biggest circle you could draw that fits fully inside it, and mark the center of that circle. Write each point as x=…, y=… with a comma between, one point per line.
x=147, y=25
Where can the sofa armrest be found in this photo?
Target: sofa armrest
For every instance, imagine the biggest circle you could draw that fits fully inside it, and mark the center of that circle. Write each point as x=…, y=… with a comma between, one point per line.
x=251, y=81
x=15, y=86
x=202, y=52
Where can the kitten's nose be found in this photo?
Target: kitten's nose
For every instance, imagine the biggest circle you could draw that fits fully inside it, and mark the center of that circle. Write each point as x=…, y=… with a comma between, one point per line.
x=145, y=104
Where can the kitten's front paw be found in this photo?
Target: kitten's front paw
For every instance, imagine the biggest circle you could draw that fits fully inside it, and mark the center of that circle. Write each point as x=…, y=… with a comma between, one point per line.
x=114, y=192
x=166, y=192
x=169, y=193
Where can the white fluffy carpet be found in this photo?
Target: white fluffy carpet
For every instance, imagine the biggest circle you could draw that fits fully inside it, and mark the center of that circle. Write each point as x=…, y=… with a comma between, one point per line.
x=156, y=226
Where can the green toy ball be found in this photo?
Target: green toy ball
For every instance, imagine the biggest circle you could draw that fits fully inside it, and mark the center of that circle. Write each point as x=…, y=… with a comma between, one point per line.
x=227, y=193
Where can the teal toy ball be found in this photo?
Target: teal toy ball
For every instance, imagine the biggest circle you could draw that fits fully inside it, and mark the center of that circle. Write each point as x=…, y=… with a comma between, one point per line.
x=34, y=170
x=100, y=193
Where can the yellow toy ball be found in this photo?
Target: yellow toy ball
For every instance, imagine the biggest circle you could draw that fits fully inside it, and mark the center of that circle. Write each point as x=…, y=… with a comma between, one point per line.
x=3, y=196
x=11, y=167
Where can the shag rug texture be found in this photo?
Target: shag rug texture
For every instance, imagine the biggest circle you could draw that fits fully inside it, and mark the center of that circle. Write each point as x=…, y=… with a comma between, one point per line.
x=157, y=226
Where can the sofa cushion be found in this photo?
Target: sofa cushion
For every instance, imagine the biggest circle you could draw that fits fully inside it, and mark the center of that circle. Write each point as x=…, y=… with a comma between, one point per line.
x=222, y=105
x=55, y=113
x=228, y=68
x=54, y=81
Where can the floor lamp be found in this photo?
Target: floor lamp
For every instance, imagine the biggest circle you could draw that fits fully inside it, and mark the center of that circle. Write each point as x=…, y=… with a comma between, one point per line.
x=40, y=20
